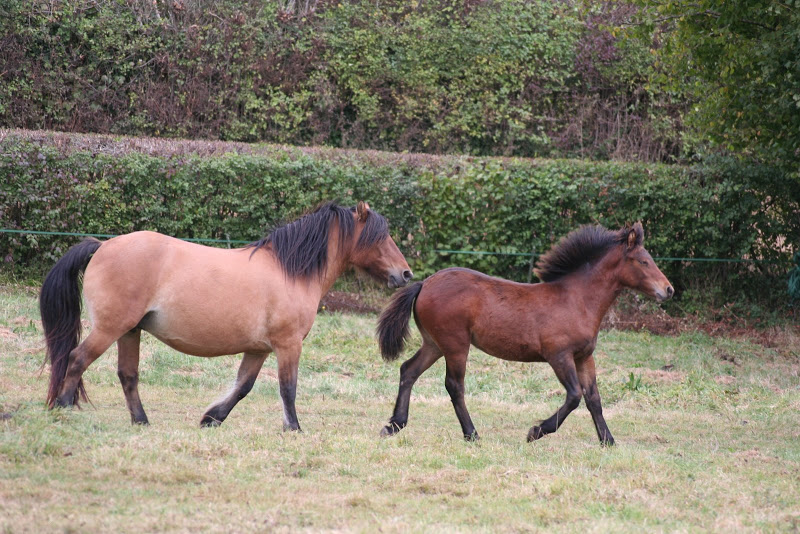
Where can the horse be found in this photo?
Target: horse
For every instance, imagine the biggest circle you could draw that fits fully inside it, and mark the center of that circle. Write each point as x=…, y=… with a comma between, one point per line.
x=554, y=321
x=207, y=301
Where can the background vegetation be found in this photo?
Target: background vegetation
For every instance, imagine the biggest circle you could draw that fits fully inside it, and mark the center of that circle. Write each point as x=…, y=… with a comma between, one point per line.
x=738, y=62
x=512, y=77
x=227, y=191
x=712, y=85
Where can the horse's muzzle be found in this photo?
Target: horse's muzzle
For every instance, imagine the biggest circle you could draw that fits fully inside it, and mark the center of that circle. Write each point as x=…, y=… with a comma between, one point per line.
x=664, y=294
x=401, y=279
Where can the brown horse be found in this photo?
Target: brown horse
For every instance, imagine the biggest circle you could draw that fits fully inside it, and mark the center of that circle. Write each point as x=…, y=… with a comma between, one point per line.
x=207, y=301
x=555, y=321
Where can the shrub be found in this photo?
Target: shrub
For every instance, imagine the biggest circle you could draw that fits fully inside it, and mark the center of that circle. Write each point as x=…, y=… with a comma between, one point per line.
x=517, y=77
x=99, y=185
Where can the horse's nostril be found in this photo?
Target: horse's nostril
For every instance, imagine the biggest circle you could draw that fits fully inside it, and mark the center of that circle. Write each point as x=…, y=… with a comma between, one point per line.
x=407, y=275
x=670, y=291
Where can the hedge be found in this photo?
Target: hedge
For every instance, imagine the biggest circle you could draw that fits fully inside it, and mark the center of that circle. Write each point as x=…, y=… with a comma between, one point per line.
x=233, y=191
x=513, y=78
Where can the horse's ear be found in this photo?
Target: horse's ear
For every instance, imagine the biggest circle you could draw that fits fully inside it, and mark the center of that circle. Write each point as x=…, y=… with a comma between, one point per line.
x=362, y=209
x=635, y=236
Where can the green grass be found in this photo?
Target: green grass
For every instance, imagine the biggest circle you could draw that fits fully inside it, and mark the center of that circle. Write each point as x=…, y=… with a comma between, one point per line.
x=707, y=445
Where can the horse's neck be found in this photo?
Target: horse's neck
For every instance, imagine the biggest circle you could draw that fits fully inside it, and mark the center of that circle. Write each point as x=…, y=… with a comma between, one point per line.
x=600, y=287
x=338, y=261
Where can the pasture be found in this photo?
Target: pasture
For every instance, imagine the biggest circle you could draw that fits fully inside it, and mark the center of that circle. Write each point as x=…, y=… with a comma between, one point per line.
x=707, y=430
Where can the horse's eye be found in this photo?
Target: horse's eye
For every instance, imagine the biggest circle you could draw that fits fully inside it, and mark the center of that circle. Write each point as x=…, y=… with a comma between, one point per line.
x=643, y=262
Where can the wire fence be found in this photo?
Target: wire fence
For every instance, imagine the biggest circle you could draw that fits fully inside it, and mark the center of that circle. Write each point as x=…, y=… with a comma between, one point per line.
x=532, y=255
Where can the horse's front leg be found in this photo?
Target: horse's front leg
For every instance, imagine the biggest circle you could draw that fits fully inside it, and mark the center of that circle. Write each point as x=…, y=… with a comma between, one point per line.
x=564, y=367
x=588, y=380
x=288, y=356
x=246, y=377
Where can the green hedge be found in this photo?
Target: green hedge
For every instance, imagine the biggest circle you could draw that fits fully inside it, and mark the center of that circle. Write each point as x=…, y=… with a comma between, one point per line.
x=432, y=203
x=517, y=77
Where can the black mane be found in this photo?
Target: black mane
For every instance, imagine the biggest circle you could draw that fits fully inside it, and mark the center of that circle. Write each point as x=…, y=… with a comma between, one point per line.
x=584, y=245
x=301, y=246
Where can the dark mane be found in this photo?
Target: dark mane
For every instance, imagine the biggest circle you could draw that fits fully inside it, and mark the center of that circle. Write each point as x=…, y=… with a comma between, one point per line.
x=584, y=245
x=301, y=246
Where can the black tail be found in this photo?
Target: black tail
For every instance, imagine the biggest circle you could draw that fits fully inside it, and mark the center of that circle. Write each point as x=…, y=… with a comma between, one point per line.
x=393, y=323
x=60, y=306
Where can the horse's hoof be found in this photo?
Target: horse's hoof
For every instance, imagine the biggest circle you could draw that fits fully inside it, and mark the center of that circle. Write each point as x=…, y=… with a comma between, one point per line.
x=535, y=433
x=59, y=403
x=290, y=428
x=391, y=429
x=607, y=442
x=207, y=422
x=472, y=437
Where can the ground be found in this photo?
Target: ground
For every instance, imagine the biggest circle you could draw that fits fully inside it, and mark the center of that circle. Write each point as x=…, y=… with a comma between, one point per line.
x=707, y=430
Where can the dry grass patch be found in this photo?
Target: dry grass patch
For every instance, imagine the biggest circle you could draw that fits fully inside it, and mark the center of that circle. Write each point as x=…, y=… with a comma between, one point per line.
x=694, y=452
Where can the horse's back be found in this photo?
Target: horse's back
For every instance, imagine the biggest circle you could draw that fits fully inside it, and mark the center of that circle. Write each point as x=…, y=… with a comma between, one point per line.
x=462, y=287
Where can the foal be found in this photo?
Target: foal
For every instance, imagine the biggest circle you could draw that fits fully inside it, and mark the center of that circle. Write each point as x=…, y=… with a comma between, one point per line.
x=207, y=301
x=555, y=321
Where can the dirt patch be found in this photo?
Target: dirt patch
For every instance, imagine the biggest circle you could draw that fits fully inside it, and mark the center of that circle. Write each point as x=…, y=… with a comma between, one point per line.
x=6, y=333
x=340, y=301
x=785, y=340
x=724, y=380
x=658, y=322
x=664, y=376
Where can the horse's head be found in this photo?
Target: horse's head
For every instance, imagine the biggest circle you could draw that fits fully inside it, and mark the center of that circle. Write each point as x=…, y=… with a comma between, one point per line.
x=638, y=270
x=375, y=251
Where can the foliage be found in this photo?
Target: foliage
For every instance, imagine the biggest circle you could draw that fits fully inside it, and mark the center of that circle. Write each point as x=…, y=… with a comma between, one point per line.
x=518, y=77
x=718, y=210
x=633, y=383
x=739, y=63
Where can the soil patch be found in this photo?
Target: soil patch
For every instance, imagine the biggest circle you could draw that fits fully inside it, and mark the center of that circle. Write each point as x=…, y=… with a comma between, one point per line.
x=340, y=301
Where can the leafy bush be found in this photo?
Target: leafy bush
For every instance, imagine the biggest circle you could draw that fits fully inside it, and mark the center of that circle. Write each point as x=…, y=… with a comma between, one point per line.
x=101, y=185
x=518, y=77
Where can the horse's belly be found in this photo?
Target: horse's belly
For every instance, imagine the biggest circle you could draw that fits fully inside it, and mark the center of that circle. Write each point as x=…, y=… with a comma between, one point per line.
x=515, y=352
x=204, y=337
x=512, y=344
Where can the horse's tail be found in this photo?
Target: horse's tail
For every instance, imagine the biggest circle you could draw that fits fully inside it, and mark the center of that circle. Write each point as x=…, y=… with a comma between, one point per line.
x=393, y=323
x=60, y=306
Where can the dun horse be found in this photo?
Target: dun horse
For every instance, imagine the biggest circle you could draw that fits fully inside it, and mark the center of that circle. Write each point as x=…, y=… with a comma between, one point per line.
x=555, y=321
x=207, y=301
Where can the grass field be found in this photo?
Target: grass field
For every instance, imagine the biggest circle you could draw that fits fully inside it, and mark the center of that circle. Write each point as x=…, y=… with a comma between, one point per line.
x=712, y=443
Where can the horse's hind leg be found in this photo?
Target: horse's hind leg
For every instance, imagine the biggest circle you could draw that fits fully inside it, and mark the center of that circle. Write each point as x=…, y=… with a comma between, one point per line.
x=409, y=372
x=246, y=377
x=128, y=372
x=81, y=357
x=564, y=367
x=588, y=380
x=454, y=383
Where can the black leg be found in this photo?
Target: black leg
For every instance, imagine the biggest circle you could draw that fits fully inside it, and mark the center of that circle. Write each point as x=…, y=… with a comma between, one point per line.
x=454, y=383
x=245, y=378
x=588, y=380
x=288, y=359
x=564, y=367
x=128, y=372
x=410, y=371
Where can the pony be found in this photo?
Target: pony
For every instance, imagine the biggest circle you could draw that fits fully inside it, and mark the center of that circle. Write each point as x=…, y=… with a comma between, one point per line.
x=554, y=321
x=207, y=301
